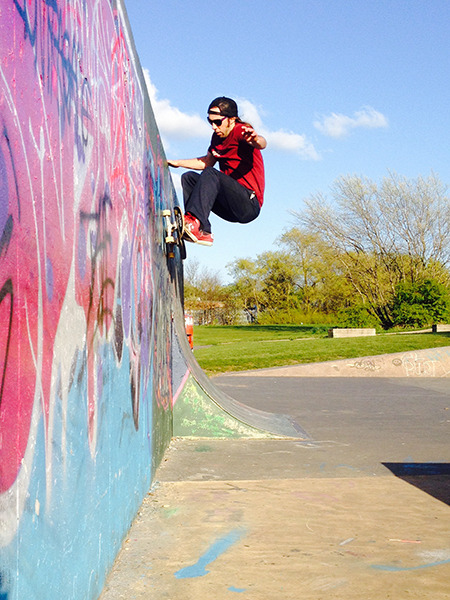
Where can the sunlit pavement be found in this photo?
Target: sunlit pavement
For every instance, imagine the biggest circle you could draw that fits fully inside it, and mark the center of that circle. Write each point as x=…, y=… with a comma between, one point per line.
x=358, y=512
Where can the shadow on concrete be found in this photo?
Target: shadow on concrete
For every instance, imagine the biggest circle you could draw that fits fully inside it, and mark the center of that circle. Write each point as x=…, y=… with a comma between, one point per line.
x=432, y=478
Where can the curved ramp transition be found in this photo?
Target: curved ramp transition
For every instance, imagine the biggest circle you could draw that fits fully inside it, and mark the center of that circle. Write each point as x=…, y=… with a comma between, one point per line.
x=202, y=410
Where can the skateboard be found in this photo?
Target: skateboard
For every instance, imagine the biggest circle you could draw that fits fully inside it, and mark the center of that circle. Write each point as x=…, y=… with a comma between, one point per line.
x=174, y=230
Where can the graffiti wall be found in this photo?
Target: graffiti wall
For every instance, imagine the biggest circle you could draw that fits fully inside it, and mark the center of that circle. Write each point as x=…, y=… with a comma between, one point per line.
x=85, y=315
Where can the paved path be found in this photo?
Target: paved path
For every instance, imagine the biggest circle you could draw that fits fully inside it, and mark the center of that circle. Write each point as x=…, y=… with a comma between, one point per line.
x=361, y=512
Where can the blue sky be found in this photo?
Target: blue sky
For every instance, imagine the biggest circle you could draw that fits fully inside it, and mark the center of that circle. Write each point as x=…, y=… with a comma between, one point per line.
x=338, y=87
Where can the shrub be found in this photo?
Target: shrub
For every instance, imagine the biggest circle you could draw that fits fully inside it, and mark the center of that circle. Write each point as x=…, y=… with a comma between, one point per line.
x=421, y=303
x=356, y=316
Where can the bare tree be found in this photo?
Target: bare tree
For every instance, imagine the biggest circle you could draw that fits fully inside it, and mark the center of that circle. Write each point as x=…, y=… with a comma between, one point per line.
x=383, y=234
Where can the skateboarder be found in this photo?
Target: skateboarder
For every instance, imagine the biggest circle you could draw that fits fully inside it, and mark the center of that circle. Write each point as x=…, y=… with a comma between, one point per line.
x=236, y=192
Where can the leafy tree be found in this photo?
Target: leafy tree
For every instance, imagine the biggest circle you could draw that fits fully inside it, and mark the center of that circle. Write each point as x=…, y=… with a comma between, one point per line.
x=247, y=276
x=321, y=281
x=398, y=231
x=279, y=280
x=356, y=316
x=304, y=248
x=421, y=303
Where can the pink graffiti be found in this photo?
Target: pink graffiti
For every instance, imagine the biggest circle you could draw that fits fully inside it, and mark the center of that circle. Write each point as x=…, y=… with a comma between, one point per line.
x=78, y=179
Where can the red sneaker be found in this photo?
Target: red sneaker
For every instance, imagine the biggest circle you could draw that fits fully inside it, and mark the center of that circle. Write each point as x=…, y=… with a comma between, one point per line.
x=205, y=239
x=193, y=232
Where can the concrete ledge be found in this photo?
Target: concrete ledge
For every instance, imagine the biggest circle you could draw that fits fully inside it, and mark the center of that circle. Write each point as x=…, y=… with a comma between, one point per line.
x=432, y=362
x=441, y=327
x=350, y=332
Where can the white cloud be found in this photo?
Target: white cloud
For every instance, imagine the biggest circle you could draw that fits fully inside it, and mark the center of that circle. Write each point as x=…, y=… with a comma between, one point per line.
x=338, y=125
x=286, y=141
x=172, y=122
x=250, y=113
x=175, y=124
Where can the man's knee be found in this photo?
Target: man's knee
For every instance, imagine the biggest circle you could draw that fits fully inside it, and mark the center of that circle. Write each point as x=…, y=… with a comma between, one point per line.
x=210, y=174
x=210, y=180
x=189, y=178
x=210, y=171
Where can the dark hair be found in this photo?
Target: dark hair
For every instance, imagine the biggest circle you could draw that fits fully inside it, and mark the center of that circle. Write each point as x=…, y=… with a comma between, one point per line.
x=227, y=106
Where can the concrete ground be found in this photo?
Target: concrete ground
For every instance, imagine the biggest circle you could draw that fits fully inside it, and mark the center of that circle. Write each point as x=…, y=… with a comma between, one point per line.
x=360, y=511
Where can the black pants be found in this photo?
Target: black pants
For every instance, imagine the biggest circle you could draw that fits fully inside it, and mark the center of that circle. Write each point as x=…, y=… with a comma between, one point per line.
x=213, y=191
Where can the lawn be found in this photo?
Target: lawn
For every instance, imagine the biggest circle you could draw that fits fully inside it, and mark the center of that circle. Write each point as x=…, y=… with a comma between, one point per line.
x=222, y=349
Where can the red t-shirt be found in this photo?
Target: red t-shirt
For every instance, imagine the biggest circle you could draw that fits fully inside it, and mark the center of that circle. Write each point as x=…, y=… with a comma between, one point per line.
x=239, y=160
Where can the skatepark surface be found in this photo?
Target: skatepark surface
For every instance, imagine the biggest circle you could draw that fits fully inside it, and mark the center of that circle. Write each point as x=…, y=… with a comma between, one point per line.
x=358, y=509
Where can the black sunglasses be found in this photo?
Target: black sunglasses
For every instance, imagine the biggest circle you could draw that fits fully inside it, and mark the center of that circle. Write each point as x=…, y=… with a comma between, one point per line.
x=217, y=122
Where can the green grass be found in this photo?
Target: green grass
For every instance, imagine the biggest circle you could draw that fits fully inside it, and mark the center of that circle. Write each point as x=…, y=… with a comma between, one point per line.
x=222, y=349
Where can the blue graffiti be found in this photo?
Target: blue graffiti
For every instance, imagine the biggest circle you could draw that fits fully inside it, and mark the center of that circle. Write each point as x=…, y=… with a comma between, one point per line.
x=394, y=568
x=218, y=547
x=3, y=593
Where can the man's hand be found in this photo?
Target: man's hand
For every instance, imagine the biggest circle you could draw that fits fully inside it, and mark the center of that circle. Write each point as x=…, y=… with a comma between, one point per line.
x=252, y=138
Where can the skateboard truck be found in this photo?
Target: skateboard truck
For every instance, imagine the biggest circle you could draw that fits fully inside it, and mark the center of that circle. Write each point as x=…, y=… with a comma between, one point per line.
x=174, y=231
x=169, y=226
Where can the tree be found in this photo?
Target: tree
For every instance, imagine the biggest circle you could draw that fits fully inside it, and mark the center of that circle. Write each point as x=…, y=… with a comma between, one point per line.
x=383, y=234
x=321, y=283
x=248, y=282
x=204, y=294
x=421, y=303
x=279, y=280
x=303, y=246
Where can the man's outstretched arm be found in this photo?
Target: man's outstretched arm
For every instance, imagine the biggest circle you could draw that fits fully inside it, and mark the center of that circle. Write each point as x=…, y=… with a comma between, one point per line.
x=198, y=164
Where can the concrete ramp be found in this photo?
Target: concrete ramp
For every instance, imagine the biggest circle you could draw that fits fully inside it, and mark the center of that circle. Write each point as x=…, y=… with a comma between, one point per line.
x=203, y=410
x=93, y=350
